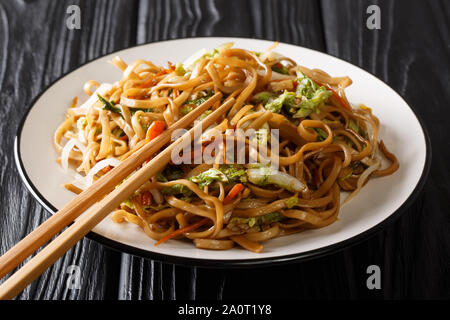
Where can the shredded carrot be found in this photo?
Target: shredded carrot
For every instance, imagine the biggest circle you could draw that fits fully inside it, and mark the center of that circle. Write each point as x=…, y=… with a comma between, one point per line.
x=152, y=80
x=181, y=231
x=155, y=129
x=233, y=193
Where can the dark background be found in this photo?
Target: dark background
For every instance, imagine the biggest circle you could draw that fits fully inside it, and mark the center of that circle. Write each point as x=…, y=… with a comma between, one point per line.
x=411, y=53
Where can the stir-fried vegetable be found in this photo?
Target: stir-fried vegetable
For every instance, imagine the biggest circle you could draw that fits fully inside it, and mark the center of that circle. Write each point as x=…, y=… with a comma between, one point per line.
x=177, y=189
x=184, y=110
x=278, y=67
x=263, y=96
x=155, y=129
x=353, y=125
x=226, y=174
x=161, y=178
x=266, y=175
x=209, y=176
x=321, y=135
x=233, y=193
x=285, y=99
x=200, y=100
x=170, y=173
x=173, y=173
x=336, y=99
x=179, y=69
x=234, y=173
x=291, y=202
x=306, y=99
x=311, y=95
x=182, y=230
x=109, y=105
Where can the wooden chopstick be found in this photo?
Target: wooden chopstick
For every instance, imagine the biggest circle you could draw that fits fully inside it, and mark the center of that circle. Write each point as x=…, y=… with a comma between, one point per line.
x=43, y=233
x=67, y=239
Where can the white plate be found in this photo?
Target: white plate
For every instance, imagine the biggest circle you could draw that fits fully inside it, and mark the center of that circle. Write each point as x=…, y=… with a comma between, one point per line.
x=379, y=200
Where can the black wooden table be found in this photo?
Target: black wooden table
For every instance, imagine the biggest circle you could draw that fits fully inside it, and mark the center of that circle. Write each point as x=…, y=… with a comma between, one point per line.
x=411, y=52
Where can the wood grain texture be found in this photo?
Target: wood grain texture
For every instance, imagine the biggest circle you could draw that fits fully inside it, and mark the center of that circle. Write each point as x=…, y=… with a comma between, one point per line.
x=37, y=48
x=411, y=53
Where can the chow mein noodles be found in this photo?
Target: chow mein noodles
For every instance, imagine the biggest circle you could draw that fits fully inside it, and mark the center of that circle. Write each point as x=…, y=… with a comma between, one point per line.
x=324, y=146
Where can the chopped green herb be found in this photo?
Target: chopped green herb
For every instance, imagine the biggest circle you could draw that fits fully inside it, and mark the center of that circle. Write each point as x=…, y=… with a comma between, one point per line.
x=321, y=135
x=109, y=105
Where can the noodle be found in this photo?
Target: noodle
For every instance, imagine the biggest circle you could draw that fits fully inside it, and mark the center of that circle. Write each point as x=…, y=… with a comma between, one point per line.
x=325, y=146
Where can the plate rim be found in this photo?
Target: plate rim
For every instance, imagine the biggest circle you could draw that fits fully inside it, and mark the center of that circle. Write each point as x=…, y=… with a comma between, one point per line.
x=233, y=263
